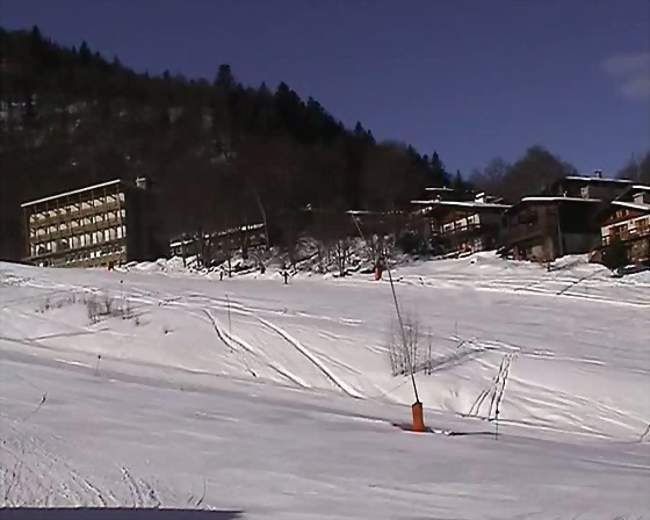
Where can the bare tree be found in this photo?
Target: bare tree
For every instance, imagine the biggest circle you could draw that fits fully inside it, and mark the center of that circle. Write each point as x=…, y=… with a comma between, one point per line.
x=404, y=349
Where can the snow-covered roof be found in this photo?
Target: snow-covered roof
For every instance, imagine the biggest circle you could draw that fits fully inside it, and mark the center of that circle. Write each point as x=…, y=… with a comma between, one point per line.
x=558, y=199
x=355, y=212
x=586, y=178
x=72, y=192
x=631, y=205
x=640, y=187
x=442, y=188
x=248, y=227
x=461, y=204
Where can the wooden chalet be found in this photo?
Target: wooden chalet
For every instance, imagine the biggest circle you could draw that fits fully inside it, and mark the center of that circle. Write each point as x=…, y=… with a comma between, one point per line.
x=562, y=220
x=627, y=220
x=544, y=228
x=455, y=227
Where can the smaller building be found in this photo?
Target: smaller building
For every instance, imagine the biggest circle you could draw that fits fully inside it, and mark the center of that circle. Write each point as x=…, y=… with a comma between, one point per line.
x=544, y=228
x=219, y=246
x=589, y=187
x=461, y=226
x=447, y=193
x=99, y=225
x=626, y=222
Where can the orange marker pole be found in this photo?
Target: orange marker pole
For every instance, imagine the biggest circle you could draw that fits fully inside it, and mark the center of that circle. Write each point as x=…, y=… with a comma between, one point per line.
x=418, y=417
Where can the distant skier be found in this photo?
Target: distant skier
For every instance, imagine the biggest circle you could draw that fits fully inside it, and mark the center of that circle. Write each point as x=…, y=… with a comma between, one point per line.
x=285, y=275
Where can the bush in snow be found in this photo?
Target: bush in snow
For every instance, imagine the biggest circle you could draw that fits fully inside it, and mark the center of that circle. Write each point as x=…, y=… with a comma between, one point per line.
x=409, y=351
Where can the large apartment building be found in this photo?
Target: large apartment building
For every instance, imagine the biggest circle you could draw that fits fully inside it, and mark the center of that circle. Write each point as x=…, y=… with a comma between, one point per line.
x=100, y=225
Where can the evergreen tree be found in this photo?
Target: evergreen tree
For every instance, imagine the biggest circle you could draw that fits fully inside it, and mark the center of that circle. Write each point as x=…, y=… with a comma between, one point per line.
x=225, y=79
x=84, y=53
x=439, y=176
x=458, y=183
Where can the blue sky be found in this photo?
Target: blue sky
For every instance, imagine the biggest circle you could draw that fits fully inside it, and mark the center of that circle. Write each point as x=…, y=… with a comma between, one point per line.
x=469, y=78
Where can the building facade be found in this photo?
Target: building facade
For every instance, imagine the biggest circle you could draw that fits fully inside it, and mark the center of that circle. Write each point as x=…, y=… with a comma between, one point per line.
x=460, y=226
x=544, y=228
x=562, y=220
x=627, y=221
x=219, y=246
x=98, y=225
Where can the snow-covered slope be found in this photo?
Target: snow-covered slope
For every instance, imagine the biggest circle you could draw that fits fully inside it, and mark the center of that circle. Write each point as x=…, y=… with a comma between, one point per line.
x=278, y=400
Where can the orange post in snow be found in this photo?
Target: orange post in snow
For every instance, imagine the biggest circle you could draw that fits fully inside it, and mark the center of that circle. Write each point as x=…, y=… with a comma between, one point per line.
x=418, y=417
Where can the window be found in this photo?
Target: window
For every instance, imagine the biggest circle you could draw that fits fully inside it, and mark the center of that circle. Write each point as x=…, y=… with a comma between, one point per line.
x=527, y=217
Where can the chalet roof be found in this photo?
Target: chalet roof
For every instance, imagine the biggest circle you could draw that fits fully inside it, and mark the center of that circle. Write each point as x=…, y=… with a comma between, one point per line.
x=552, y=200
x=601, y=180
x=631, y=190
x=558, y=199
x=461, y=204
x=357, y=212
x=72, y=192
x=631, y=205
x=441, y=188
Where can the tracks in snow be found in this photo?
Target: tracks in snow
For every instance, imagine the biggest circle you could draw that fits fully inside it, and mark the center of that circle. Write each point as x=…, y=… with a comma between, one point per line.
x=311, y=357
x=236, y=344
x=32, y=475
x=493, y=395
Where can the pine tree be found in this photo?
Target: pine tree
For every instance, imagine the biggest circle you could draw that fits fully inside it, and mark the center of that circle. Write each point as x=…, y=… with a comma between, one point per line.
x=438, y=173
x=458, y=183
x=84, y=53
x=225, y=79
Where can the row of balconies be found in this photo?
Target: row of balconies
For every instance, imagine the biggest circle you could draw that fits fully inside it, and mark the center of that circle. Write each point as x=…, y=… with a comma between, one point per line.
x=626, y=235
x=105, y=246
x=78, y=230
x=70, y=213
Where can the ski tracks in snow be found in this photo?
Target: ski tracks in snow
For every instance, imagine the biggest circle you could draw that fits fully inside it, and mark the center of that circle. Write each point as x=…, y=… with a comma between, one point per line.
x=31, y=475
x=236, y=344
x=342, y=385
x=142, y=493
x=493, y=395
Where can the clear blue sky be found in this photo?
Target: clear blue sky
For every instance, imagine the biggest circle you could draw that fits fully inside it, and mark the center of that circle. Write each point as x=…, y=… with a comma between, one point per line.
x=472, y=79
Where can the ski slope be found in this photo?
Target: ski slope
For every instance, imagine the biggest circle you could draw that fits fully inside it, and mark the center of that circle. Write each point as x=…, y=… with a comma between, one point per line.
x=277, y=401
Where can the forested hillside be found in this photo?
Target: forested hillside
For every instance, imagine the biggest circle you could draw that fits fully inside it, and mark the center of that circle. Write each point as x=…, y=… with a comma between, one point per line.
x=218, y=153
